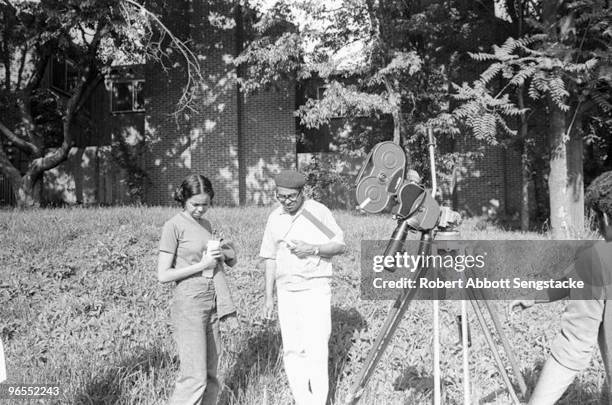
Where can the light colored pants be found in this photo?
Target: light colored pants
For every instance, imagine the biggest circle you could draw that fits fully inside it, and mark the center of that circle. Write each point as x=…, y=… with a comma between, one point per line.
x=584, y=323
x=305, y=321
x=196, y=331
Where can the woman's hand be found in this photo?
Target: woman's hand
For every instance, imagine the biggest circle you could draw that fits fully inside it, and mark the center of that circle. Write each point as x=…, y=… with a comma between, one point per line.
x=211, y=257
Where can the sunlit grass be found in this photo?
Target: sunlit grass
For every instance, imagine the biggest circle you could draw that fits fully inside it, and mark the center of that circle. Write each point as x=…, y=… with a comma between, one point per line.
x=83, y=307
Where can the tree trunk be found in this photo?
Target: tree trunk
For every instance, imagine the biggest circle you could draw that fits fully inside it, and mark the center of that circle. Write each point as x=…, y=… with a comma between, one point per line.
x=575, y=174
x=395, y=100
x=397, y=127
x=557, y=179
x=28, y=192
x=525, y=178
x=525, y=163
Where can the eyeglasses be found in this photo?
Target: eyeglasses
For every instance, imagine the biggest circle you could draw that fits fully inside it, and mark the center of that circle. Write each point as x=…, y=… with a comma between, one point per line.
x=288, y=197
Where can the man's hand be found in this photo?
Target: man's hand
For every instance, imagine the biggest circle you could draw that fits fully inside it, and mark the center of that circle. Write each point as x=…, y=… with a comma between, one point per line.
x=301, y=249
x=268, y=308
x=520, y=304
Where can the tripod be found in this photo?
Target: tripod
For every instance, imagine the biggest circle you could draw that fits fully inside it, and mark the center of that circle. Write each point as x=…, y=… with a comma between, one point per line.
x=403, y=301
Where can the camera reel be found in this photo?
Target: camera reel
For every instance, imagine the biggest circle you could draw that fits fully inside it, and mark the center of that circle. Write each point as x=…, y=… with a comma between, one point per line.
x=380, y=177
x=381, y=184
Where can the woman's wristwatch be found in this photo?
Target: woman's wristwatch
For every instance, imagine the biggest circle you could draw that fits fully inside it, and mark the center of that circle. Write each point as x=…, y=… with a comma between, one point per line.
x=316, y=251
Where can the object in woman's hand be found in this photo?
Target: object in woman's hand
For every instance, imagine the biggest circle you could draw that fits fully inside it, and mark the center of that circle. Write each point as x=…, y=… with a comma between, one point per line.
x=213, y=245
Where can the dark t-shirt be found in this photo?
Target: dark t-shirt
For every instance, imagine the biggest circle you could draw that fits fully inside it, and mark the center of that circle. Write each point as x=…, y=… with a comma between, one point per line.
x=186, y=239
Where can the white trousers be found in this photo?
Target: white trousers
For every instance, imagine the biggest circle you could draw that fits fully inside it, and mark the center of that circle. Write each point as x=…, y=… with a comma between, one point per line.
x=305, y=321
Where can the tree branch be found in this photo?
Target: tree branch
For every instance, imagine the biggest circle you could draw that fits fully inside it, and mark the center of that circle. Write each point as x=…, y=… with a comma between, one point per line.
x=93, y=83
x=20, y=143
x=194, y=70
x=21, y=67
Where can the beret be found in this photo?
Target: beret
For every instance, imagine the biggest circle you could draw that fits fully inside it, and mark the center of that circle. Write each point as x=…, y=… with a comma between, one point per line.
x=599, y=193
x=290, y=179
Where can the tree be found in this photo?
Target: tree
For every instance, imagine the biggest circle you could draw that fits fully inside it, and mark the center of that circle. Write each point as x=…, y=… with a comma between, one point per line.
x=560, y=68
x=377, y=59
x=92, y=34
x=351, y=48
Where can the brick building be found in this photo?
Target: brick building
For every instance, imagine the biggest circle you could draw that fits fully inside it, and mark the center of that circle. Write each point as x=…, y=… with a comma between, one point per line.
x=238, y=142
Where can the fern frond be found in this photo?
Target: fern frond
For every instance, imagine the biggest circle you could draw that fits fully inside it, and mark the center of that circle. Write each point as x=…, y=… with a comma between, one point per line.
x=602, y=101
x=558, y=93
x=540, y=82
x=504, y=126
x=523, y=75
x=528, y=40
x=509, y=46
x=490, y=73
x=481, y=57
x=533, y=92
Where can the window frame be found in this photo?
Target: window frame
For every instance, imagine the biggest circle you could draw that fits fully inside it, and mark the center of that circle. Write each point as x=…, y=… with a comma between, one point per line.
x=134, y=83
x=68, y=64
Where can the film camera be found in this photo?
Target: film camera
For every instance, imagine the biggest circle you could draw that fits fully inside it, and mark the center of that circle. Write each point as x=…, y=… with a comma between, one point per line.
x=382, y=184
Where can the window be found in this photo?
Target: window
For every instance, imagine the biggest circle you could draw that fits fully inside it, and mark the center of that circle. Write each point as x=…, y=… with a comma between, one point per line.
x=127, y=96
x=321, y=92
x=64, y=75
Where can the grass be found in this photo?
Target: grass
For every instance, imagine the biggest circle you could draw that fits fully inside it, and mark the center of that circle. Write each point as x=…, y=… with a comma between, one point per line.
x=82, y=307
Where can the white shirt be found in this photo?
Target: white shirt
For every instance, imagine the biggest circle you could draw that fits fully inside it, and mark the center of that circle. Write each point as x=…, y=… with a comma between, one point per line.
x=293, y=273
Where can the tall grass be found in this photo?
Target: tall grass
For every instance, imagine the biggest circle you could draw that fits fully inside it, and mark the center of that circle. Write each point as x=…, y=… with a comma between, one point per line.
x=82, y=307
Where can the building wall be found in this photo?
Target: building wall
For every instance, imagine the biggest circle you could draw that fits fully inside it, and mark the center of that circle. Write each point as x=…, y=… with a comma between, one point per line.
x=490, y=183
x=237, y=142
x=89, y=176
x=269, y=140
x=92, y=174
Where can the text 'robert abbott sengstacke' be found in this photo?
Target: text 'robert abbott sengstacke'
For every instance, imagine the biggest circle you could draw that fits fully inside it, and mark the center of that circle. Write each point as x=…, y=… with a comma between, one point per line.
x=501, y=269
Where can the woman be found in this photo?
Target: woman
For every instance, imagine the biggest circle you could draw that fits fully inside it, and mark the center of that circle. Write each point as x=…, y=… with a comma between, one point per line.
x=201, y=297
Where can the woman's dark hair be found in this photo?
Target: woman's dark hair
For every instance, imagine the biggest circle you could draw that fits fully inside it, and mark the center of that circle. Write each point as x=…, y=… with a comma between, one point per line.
x=193, y=184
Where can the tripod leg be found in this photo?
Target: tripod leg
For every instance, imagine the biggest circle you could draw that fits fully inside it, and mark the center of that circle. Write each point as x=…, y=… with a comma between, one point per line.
x=436, y=351
x=466, y=355
x=393, y=320
x=382, y=341
x=507, y=348
x=491, y=343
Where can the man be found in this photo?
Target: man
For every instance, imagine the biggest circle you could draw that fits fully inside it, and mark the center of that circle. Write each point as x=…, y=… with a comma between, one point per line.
x=300, y=238
x=588, y=317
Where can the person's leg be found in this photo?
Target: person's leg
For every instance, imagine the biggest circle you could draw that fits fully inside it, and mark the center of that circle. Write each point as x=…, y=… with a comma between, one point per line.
x=190, y=317
x=554, y=380
x=317, y=326
x=293, y=345
x=213, y=348
x=605, y=346
x=571, y=351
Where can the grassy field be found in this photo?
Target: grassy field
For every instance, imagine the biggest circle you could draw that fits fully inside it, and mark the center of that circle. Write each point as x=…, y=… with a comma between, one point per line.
x=82, y=307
